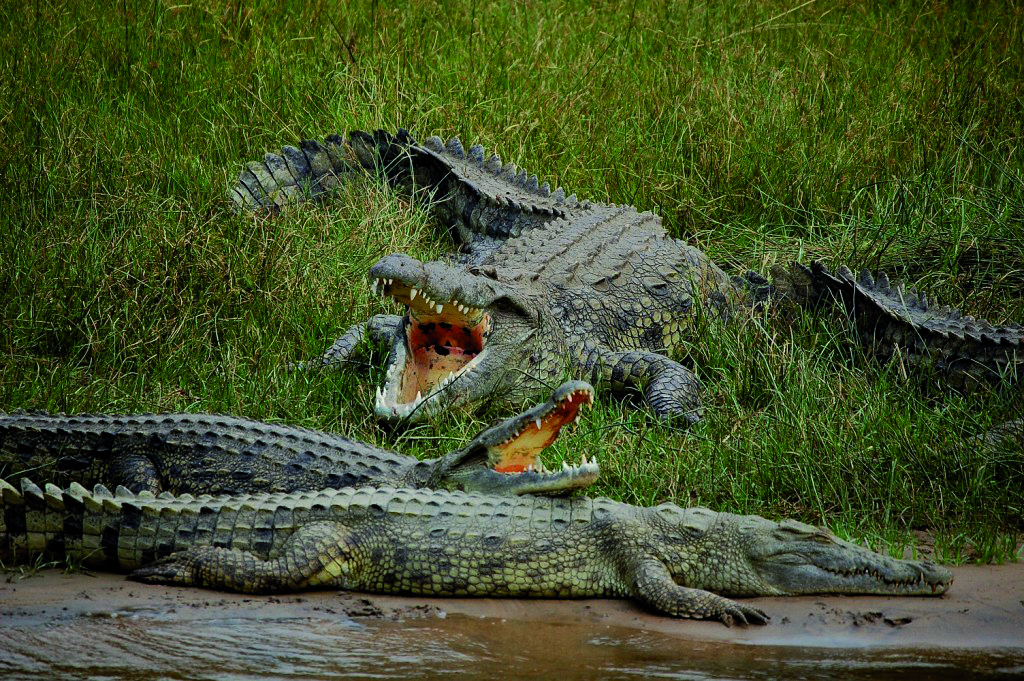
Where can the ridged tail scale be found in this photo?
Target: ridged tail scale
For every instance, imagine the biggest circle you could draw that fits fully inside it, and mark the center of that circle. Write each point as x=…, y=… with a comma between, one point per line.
x=891, y=319
x=475, y=193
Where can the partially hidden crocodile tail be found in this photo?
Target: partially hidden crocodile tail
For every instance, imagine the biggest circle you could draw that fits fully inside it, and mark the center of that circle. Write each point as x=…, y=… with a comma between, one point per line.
x=312, y=169
x=474, y=190
x=890, y=319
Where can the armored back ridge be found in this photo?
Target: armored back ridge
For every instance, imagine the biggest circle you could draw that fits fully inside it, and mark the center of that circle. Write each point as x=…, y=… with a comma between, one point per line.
x=546, y=286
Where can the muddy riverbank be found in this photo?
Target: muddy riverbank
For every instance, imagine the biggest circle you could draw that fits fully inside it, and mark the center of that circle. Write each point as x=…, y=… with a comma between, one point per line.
x=102, y=626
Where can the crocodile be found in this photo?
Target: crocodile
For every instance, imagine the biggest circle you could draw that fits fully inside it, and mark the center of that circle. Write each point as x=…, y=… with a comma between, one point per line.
x=217, y=454
x=546, y=286
x=679, y=562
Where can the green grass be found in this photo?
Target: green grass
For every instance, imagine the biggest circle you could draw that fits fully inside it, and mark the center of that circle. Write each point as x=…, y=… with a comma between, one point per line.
x=883, y=135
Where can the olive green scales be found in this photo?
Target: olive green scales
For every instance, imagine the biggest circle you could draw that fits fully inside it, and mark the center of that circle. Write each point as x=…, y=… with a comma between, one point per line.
x=680, y=562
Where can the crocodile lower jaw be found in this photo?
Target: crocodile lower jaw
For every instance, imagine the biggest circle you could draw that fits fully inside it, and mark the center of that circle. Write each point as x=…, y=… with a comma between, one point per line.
x=391, y=402
x=537, y=429
x=442, y=343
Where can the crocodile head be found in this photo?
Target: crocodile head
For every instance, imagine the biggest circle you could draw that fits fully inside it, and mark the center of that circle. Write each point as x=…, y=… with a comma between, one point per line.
x=465, y=338
x=753, y=556
x=505, y=458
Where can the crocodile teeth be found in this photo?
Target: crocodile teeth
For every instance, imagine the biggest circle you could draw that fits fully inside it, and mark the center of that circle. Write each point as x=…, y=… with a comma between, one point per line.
x=537, y=421
x=584, y=462
x=412, y=294
x=439, y=307
x=565, y=466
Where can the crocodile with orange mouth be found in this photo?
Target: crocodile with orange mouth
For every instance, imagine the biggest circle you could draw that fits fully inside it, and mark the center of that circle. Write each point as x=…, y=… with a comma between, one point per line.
x=217, y=454
x=546, y=286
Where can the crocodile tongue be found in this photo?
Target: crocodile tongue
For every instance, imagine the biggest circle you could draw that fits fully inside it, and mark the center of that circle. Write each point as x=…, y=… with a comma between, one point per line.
x=442, y=341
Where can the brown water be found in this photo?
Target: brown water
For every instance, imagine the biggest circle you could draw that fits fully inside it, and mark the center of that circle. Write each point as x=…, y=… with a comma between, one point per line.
x=101, y=627
x=216, y=643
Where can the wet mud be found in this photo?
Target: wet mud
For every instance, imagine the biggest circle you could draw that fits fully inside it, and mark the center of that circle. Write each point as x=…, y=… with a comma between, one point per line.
x=60, y=626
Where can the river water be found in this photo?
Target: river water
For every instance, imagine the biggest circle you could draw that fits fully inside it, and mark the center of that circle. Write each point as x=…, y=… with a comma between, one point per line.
x=102, y=628
x=149, y=645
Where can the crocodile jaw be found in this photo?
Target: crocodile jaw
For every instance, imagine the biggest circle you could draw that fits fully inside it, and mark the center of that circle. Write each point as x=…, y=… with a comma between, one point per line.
x=442, y=342
x=795, y=558
x=524, y=437
x=505, y=458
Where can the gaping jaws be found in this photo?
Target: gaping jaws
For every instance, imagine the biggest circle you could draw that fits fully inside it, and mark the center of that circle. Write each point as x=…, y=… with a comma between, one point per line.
x=443, y=340
x=505, y=458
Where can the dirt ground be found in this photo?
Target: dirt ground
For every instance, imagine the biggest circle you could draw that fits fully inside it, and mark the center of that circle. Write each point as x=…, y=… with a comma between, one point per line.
x=984, y=609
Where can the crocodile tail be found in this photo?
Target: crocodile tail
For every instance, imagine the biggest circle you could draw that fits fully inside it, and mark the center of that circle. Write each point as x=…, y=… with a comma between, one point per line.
x=310, y=171
x=474, y=193
x=30, y=520
x=892, y=321
x=758, y=288
x=487, y=197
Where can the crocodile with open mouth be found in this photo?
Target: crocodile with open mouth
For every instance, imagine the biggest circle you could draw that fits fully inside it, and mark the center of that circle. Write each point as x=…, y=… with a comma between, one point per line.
x=547, y=286
x=217, y=454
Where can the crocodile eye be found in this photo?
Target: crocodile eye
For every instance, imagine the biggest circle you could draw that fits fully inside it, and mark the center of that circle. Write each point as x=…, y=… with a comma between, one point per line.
x=507, y=306
x=488, y=272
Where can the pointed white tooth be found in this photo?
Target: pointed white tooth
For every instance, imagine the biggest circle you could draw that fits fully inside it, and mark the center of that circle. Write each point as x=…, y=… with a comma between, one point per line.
x=412, y=294
x=440, y=308
x=584, y=460
x=537, y=421
x=593, y=460
x=565, y=466
x=569, y=398
x=390, y=282
x=419, y=396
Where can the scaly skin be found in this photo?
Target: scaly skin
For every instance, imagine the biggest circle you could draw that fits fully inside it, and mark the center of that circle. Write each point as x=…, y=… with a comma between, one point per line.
x=680, y=562
x=891, y=321
x=547, y=285
x=214, y=454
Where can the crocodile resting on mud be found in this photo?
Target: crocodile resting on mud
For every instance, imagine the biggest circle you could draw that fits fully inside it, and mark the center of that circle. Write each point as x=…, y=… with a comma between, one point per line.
x=546, y=286
x=215, y=454
x=680, y=562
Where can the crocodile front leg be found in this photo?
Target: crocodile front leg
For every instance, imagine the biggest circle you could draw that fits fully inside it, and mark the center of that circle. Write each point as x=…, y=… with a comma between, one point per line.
x=316, y=554
x=671, y=390
x=381, y=329
x=652, y=584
